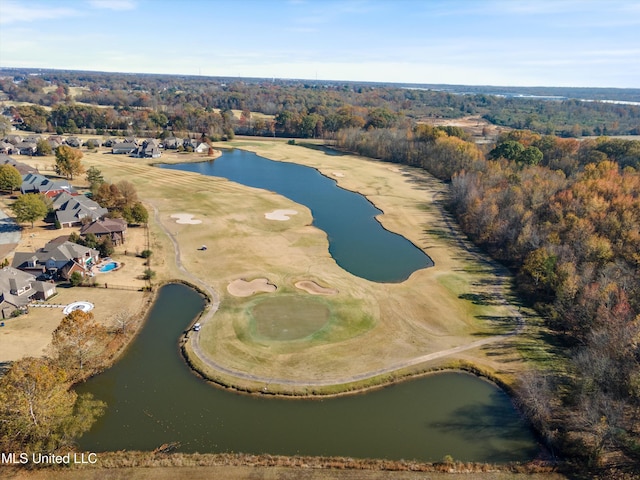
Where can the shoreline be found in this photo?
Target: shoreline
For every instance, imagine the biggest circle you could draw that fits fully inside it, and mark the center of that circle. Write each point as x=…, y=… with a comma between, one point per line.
x=242, y=382
x=396, y=370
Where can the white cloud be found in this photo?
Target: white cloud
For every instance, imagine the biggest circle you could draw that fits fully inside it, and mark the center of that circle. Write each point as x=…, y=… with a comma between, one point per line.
x=114, y=4
x=14, y=12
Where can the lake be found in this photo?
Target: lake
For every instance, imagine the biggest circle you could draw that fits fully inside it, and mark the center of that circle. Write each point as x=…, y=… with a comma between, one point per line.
x=153, y=398
x=357, y=241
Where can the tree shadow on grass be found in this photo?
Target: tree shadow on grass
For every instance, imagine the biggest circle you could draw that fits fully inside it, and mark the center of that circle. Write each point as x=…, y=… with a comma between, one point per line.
x=500, y=325
x=480, y=298
x=322, y=148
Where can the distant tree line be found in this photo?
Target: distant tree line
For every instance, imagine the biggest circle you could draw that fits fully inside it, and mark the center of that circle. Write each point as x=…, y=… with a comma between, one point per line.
x=305, y=109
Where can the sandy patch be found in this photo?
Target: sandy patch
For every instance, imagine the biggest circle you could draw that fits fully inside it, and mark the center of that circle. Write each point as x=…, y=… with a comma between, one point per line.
x=337, y=174
x=313, y=288
x=281, y=215
x=242, y=288
x=185, y=218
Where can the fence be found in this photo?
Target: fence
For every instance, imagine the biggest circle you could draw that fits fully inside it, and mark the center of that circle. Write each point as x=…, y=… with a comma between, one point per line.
x=111, y=286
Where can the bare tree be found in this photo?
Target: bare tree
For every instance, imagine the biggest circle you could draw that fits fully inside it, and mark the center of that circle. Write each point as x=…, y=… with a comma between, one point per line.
x=123, y=319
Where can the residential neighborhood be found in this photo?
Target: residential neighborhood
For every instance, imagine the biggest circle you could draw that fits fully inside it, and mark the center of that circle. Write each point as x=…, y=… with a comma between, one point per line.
x=77, y=233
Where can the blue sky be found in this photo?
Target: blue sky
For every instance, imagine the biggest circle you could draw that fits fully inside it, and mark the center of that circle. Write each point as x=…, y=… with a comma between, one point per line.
x=578, y=43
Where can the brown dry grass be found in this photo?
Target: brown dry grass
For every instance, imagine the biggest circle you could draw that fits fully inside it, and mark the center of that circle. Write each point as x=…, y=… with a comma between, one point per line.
x=374, y=325
x=30, y=335
x=262, y=473
x=420, y=315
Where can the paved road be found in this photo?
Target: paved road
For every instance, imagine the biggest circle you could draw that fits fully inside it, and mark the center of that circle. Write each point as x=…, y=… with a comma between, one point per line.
x=215, y=304
x=9, y=229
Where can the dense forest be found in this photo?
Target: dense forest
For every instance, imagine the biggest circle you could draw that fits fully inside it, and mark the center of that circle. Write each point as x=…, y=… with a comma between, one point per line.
x=562, y=213
x=152, y=103
x=565, y=216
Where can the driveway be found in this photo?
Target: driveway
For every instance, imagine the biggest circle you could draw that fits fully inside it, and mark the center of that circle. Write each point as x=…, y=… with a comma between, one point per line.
x=9, y=229
x=9, y=235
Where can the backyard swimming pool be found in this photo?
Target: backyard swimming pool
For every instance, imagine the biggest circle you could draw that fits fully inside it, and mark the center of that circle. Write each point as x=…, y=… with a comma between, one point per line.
x=108, y=267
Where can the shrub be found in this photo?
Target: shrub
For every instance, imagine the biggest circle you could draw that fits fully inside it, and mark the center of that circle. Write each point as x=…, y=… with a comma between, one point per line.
x=75, y=279
x=148, y=274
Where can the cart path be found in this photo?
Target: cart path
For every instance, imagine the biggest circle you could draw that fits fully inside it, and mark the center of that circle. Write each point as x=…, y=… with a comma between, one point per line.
x=212, y=308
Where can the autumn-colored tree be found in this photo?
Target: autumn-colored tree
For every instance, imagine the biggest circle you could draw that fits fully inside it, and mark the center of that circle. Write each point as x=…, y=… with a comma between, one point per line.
x=540, y=266
x=108, y=195
x=128, y=194
x=68, y=161
x=79, y=341
x=38, y=411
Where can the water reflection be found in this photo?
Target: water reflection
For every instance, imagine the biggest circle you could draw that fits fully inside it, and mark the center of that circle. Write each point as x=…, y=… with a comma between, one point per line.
x=357, y=241
x=153, y=398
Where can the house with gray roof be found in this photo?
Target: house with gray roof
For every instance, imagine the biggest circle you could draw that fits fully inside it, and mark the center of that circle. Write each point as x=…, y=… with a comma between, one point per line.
x=27, y=148
x=124, y=148
x=33, y=138
x=13, y=139
x=93, y=143
x=18, y=288
x=147, y=150
x=189, y=143
x=7, y=148
x=72, y=209
x=74, y=142
x=63, y=258
x=172, y=143
x=23, y=168
x=36, y=183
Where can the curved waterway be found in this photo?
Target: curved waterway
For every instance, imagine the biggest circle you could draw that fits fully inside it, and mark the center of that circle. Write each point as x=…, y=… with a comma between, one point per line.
x=154, y=398
x=357, y=241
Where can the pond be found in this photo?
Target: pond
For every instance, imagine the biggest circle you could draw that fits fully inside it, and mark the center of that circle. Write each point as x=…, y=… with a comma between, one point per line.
x=357, y=241
x=153, y=398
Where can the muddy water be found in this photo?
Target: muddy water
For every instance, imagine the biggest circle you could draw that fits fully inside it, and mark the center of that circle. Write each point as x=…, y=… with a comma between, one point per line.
x=154, y=398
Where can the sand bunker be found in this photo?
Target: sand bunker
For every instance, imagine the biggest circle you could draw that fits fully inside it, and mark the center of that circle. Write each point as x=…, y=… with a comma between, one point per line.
x=313, y=288
x=242, y=288
x=185, y=218
x=280, y=215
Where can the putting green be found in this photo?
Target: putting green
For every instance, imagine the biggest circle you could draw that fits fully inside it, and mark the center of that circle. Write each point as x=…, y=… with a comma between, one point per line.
x=288, y=317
